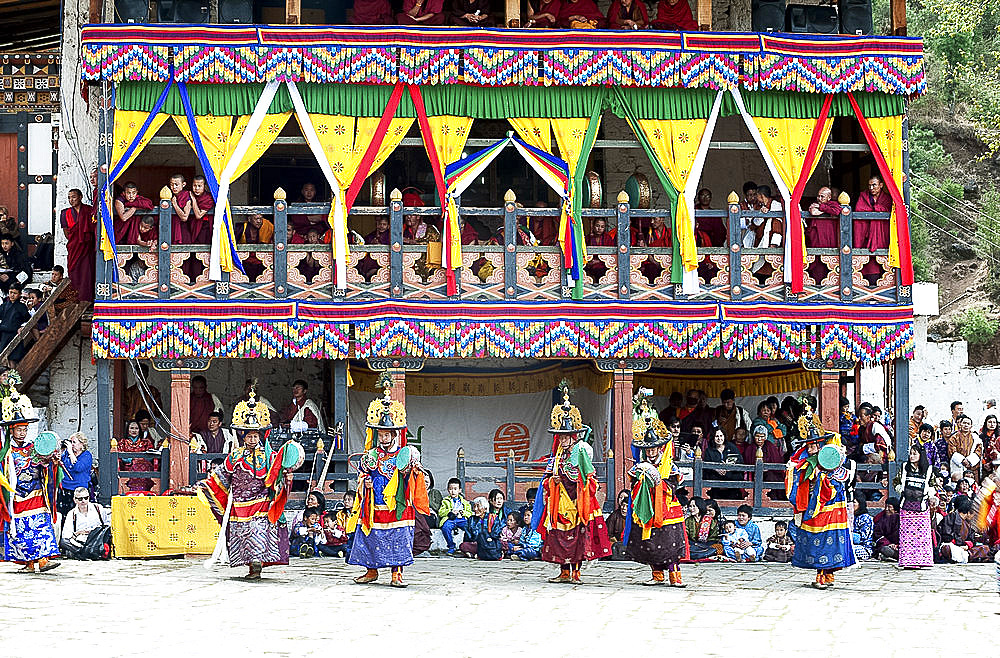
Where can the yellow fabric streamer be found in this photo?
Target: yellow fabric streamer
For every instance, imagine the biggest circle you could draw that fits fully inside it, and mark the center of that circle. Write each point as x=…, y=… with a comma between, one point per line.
x=888, y=133
x=787, y=142
x=219, y=138
x=127, y=125
x=448, y=135
x=675, y=143
x=536, y=132
x=570, y=134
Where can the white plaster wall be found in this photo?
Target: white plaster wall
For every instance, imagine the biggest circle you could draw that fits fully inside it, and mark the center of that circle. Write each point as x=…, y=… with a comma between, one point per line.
x=73, y=390
x=78, y=120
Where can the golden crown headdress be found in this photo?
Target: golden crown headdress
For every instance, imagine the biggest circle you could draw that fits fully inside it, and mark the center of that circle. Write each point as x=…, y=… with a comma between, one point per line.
x=384, y=413
x=648, y=431
x=250, y=415
x=565, y=417
x=14, y=410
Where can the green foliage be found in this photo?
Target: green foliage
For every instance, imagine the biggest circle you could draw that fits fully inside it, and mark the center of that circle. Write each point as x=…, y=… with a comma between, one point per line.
x=927, y=155
x=977, y=327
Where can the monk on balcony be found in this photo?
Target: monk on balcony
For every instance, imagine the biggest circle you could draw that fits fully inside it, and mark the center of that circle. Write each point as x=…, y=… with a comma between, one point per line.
x=372, y=12
x=823, y=231
x=546, y=15
x=628, y=15
x=201, y=217
x=421, y=12
x=674, y=15
x=872, y=234
x=471, y=13
x=128, y=203
x=580, y=15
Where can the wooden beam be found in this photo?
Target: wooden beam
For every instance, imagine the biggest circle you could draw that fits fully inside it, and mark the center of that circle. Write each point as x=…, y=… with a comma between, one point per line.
x=180, y=421
x=705, y=15
x=293, y=12
x=897, y=9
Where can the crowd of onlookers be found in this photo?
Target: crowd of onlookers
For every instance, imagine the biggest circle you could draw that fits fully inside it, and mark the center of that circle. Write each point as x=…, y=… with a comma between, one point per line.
x=21, y=303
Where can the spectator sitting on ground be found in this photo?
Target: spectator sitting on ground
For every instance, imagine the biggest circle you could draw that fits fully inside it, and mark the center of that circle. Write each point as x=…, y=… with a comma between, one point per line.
x=510, y=535
x=753, y=549
x=616, y=525
x=470, y=547
x=779, y=546
x=702, y=527
x=960, y=540
x=335, y=535
x=862, y=535
x=434, y=498
x=454, y=513
x=79, y=523
x=306, y=533
x=529, y=544
x=886, y=531
x=733, y=542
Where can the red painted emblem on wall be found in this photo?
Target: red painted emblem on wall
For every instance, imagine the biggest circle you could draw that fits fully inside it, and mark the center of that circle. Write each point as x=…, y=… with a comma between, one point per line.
x=512, y=436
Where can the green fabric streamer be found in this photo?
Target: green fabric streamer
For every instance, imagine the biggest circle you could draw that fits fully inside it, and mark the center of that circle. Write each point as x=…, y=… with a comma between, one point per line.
x=642, y=506
x=582, y=460
x=676, y=267
x=581, y=165
x=498, y=103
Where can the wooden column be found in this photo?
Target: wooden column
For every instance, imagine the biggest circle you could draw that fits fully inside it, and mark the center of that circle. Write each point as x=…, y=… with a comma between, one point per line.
x=119, y=382
x=897, y=12
x=829, y=400
x=293, y=12
x=180, y=419
x=106, y=469
x=398, y=391
x=705, y=15
x=621, y=423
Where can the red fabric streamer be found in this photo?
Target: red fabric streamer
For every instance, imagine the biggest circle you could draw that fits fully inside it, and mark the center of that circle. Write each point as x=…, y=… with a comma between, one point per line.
x=795, y=223
x=902, y=217
x=366, y=162
x=438, y=168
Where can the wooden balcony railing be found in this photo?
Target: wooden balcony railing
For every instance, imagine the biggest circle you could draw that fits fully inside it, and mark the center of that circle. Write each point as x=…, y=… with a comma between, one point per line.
x=507, y=271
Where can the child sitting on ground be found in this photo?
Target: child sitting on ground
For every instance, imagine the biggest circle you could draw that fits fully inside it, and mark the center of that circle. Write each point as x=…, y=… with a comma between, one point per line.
x=753, y=550
x=453, y=513
x=779, y=545
x=335, y=535
x=306, y=532
x=529, y=545
x=510, y=534
x=733, y=539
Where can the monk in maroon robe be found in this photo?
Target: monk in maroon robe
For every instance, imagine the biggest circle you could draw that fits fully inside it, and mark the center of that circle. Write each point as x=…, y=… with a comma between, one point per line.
x=78, y=224
x=579, y=14
x=372, y=12
x=872, y=234
x=674, y=15
x=545, y=16
x=421, y=12
x=203, y=404
x=823, y=231
x=127, y=211
x=201, y=218
x=180, y=202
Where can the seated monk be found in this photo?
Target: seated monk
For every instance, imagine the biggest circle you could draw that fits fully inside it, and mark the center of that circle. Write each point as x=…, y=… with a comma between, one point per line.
x=823, y=230
x=599, y=236
x=674, y=15
x=471, y=13
x=543, y=227
x=421, y=12
x=628, y=15
x=142, y=232
x=372, y=12
x=128, y=203
x=257, y=230
x=381, y=233
x=545, y=16
x=580, y=15
x=658, y=233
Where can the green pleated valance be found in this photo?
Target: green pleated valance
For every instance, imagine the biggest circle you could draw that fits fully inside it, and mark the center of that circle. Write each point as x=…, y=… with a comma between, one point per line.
x=499, y=102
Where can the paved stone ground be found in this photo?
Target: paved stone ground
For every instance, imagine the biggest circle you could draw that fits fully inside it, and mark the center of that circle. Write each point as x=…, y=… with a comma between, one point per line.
x=458, y=607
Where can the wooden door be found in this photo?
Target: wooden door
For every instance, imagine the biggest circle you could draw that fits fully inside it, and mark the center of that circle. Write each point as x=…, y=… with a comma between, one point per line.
x=8, y=172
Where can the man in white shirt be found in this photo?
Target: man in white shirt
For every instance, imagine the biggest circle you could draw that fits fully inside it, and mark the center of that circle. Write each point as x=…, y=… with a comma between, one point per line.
x=83, y=518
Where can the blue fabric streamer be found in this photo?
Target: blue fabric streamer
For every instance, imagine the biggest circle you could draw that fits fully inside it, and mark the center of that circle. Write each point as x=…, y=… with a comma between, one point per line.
x=628, y=522
x=538, y=511
x=105, y=210
x=213, y=184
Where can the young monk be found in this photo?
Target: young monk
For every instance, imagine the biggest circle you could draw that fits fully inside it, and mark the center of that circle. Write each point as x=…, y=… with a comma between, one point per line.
x=180, y=202
x=200, y=220
x=128, y=203
x=580, y=15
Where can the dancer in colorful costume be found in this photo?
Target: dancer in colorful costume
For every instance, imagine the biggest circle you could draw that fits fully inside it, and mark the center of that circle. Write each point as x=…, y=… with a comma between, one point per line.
x=247, y=493
x=987, y=516
x=654, y=529
x=30, y=473
x=815, y=484
x=567, y=514
x=391, y=488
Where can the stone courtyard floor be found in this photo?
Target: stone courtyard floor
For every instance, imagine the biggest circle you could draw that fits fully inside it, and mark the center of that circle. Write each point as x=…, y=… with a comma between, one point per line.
x=458, y=607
